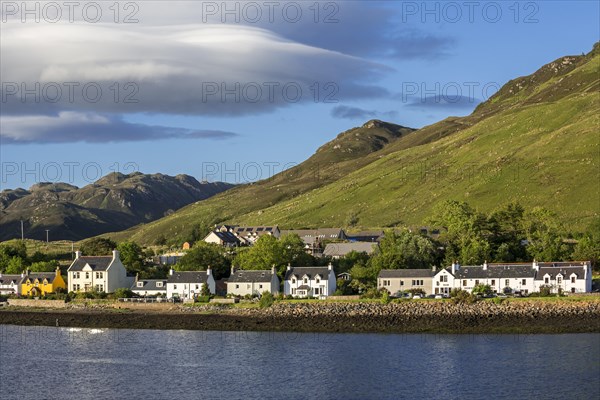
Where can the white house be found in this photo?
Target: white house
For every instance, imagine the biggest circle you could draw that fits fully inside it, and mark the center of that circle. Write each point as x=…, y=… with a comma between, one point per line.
x=568, y=276
x=500, y=277
x=11, y=284
x=149, y=287
x=252, y=282
x=188, y=284
x=309, y=281
x=225, y=239
x=99, y=273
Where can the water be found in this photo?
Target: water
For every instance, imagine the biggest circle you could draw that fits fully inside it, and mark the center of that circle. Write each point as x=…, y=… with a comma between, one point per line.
x=63, y=363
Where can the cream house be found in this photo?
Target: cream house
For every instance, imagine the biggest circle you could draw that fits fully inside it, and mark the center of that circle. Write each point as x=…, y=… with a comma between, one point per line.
x=568, y=276
x=402, y=280
x=252, y=282
x=309, y=281
x=99, y=273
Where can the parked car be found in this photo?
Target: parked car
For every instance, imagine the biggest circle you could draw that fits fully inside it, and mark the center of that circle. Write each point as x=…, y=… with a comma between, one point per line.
x=417, y=296
x=439, y=296
x=502, y=296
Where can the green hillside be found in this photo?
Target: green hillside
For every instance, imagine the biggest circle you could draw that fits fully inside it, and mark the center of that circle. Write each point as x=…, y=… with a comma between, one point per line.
x=536, y=141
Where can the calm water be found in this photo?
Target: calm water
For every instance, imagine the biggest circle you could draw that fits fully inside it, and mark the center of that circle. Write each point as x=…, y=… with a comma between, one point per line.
x=38, y=363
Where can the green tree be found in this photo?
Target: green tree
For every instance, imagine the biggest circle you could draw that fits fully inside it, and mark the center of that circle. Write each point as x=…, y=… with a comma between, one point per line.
x=44, y=266
x=98, y=247
x=588, y=246
x=544, y=236
x=203, y=255
x=205, y=291
x=15, y=265
x=269, y=251
x=346, y=263
x=506, y=233
x=404, y=250
x=132, y=256
x=266, y=300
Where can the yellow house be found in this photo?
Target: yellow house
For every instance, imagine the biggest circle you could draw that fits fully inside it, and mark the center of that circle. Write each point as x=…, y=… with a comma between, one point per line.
x=42, y=283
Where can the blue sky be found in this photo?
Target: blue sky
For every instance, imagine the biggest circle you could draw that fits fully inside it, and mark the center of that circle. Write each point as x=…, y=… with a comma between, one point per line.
x=411, y=63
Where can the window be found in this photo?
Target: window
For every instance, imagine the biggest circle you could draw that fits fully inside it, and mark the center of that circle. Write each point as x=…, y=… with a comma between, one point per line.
x=237, y=286
x=546, y=281
x=506, y=282
x=293, y=280
x=317, y=280
x=260, y=286
x=316, y=291
x=524, y=282
x=305, y=280
x=559, y=280
x=76, y=287
x=175, y=287
x=493, y=282
x=572, y=279
x=417, y=282
x=476, y=282
x=75, y=275
x=444, y=278
x=401, y=283
x=464, y=282
x=197, y=287
x=87, y=275
x=98, y=275
x=140, y=284
x=159, y=284
x=294, y=291
x=99, y=288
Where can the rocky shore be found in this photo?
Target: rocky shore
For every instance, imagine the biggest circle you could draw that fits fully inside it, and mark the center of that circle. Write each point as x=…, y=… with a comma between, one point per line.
x=532, y=316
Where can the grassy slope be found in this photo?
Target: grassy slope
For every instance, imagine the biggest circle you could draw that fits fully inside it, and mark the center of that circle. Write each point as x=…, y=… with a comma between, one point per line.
x=536, y=142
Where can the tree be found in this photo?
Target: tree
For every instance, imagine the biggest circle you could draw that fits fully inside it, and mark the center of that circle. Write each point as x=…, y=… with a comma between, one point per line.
x=98, y=247
x=266, y=299
x=466, y=232
x=404, y=250
x=346, y=263
x=44, y=266
x=203, y=255
x=204, y=291
x=15, y=265
x=507, y=234
x=268, y=251
x=482, y=289
x=132, y=256
x=544, y=236
x=588, y=246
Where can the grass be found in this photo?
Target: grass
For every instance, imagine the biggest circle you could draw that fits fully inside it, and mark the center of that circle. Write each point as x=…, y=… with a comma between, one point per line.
x=538, y=147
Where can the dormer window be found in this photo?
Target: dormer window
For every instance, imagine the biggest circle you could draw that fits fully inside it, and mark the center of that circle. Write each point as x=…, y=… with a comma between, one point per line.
x=140, y=284
x=305, y=280
x=572, y=279
x=87, y=275
x=293, y=280
x=317, y=280
x=159, y=284
x=559, y=280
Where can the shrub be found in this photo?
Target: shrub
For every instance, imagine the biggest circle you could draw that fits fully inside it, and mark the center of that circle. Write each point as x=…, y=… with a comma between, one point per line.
x=462, y=297
x=266, y=300
x=385, y=297
x=482, y=289
x=123, y=293
x=202, y=299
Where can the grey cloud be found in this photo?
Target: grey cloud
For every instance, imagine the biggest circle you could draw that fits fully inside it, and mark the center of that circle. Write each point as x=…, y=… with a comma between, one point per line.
x=69, y=127
x=346, y=112
x=444, y=102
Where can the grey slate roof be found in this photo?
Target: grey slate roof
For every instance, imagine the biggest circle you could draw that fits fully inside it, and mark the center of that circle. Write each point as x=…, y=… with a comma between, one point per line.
x=564, y=271
x=251, y=276
x=97, y=263
x=7, y=279
x=40, y=276
x=227, y=237
x=328, y=233
x=311, y=272
x=341, y=249
x=150, y=284
x=366, y=236
x=188, y=277
x=407, y=273
x=495, y=271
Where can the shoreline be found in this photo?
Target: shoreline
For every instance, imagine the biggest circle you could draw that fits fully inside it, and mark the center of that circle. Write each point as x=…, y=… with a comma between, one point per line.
x=523, y=318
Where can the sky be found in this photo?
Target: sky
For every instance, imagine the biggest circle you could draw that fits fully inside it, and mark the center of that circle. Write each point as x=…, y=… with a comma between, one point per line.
x=238, y=91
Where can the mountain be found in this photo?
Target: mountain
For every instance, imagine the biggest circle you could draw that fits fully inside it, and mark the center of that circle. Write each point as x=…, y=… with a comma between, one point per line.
x=535, y=141
x=114, y=202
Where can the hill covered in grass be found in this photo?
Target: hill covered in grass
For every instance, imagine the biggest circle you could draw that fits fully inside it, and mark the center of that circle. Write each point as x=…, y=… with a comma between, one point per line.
x=535, y=142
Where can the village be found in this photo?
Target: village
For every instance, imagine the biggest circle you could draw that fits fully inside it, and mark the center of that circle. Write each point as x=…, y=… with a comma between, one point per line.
x=108, y=274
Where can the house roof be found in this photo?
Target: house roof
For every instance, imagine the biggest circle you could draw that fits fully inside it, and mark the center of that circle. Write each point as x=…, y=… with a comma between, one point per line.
x=100, y=263
x=341, y=249
x=227, y=237
x=366, y=236
x=332, y=233
x=7, y=279
x=251, y=276
x=40, y=276
x=564, y=271
x=150, y=284
x=498, y=271
x=188, y=277
x=407, y=273
x=254, y=230
x=308, y=271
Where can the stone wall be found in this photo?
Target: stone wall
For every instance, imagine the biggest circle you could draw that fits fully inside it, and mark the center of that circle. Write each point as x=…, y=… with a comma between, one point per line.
x=37, y=303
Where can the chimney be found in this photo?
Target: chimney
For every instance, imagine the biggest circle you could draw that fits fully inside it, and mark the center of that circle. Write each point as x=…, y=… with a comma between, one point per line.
x=232, y=269
x=57, y=272
x=77, y=254
x=330, y=267
x=289, y=266
x=115, y=254
x=535, y=265
x=171, y=271
x=485, y=265
x=273, y=269
x=23, y=274
x=434, y=268
x=137, y=276
x=455, y=267
x=208, y=271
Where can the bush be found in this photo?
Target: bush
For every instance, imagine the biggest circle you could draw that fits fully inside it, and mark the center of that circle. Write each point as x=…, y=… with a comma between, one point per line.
x=482, y=289
x=266, y=300
x=123, y=293
x=462, y=297
x=385, y=297
x=202, y=299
